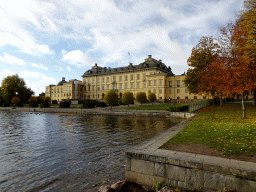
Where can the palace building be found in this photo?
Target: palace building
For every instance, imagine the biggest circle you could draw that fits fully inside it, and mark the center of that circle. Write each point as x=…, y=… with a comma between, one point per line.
x=73, y=89
x=150, y=76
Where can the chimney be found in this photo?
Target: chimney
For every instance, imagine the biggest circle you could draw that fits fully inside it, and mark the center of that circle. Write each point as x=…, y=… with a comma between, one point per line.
x=149, y=56
x=63, y=78
x=95, y=64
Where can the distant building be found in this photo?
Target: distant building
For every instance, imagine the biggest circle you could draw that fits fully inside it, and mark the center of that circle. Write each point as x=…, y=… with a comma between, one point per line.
x=73, y=89
x=150, y=76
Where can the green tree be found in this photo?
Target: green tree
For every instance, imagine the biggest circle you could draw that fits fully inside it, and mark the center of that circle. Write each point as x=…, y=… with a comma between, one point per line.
x=15, y=86
x=47, y=99
x=111, y=98
x=141, y=97
x=205, y=52
x=152, y=97
x=127, y=98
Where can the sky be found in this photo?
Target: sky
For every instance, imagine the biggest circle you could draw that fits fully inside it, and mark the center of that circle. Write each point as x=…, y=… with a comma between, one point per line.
x=45, y=40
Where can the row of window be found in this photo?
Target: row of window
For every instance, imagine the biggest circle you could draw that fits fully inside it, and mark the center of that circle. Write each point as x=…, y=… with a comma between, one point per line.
x=59, y=89
x=61, y=95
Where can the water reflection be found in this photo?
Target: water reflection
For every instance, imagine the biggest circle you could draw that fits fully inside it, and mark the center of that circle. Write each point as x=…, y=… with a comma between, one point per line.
x=53, y=152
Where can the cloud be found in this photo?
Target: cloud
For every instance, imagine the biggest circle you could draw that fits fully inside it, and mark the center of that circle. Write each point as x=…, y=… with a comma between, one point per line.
x=12, y=60
x=76, y=57
x=36, y=81
x=68, y=68
x=38, y=66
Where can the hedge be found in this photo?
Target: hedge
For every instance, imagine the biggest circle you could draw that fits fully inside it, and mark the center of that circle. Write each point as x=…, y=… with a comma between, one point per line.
x=179, y=109
x=101, y=104
x=33, y=104
x=65, y=104
x=54, y=102
x=89, y=103
x=44, y=105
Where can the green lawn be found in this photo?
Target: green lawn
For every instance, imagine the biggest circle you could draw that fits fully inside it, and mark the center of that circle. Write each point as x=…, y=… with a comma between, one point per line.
x=164, y=106
x=222, y=128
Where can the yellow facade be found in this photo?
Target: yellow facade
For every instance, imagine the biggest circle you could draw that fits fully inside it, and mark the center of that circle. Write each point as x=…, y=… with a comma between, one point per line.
x=72, y=89
x=149, y=76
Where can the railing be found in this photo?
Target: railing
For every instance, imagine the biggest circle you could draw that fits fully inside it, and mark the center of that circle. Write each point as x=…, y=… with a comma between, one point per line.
x=200, y=104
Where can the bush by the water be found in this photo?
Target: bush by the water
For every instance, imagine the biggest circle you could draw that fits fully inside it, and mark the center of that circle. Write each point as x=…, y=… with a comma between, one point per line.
x=179, y=108
x=89, y=103
x=33, y=104
x=65, y=104
x=5, y=105
x=44, y=105
x=54, y=102
x=101, y=104
x=80, y=101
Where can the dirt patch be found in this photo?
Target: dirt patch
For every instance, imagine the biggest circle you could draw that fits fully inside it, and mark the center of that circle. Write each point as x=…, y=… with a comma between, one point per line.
x=205, y=150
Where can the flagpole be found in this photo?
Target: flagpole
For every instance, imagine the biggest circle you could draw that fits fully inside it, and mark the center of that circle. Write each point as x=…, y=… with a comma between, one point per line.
x=129, y=57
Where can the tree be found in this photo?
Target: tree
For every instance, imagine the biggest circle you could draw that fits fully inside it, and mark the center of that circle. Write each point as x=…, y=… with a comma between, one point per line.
x=152, y=97
x=15, y=101
x=141, y=97
x=33, y=99
x=47, y=99
x=111, y=98
x=127, y=98
x=205, y=52
x=15, y=86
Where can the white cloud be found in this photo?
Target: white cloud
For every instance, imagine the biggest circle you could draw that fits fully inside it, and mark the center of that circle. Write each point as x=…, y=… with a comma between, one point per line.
x=12, y=60
x=36, y=81
x=38, y=66
x=68, y=68
x=76, y=57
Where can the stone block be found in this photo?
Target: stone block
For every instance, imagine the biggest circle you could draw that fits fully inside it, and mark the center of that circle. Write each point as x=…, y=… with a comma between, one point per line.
x=128, y=164
x=175, y=172
x=213, y=180
x=194, y=178
x=141, y=166
x=160, y=169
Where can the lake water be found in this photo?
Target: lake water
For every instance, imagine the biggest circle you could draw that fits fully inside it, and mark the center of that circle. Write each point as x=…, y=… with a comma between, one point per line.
x=61, y=152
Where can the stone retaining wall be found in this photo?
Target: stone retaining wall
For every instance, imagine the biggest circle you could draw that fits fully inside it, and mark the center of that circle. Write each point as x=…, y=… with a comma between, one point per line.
x=146, y=164
x=104, y=111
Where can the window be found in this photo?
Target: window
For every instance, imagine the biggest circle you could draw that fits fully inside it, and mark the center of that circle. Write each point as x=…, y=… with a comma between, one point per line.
x=98, y=88
x=195, y=97
x=144, y=76
x=120, y=78
x=178, y=83
x=107, y=79
x=69, y=88
x=131, y=85
x=178, y=97
x=170, y=83
x=149, y=91
x=186, y=97
x=114, y=78
x=93, y=96
x=120, y=86
x=64, y=88
x=114, y=86
x=155, y=82
x=102, y=80
x=89, y=80
x=93, y=87
x=138, y=76
x=58, y=95
x=160, y=82
x=126, y=78
x=55, y=91
x=149, y=82
x=88, y=88
x=154, y=91
x=93, y=80
x=178, y=90
x=61, y=90
x=186, y=90
x=98, y=80
x=131, y=77
x=126, y=85
x=160, y=91
x=107, y=87
x=144, y=85
x=102, y=87
x=138, y=85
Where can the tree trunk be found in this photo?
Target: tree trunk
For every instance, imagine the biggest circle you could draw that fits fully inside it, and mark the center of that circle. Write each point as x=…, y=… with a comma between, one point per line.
x=221, y=103
x=254, y=97
x=243, y=109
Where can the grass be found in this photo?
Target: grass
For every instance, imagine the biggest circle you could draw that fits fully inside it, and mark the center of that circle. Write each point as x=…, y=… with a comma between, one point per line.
x=222, y=128
x=164, y=106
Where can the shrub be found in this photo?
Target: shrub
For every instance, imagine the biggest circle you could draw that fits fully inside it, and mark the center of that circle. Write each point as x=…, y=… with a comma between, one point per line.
x=152, y=97
x=179, y=108
x=65, y=104
x=33, y=104
x=141, y=97
x=16, y=101
x=5, y=105
x=127, y=98
x=47, y=99
x=120, y=102
x=89, y=103
x=33, y=99
x=44, y=105
x=101, y=104
x=54, y=102
x=80, y=101
x=111, y=98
